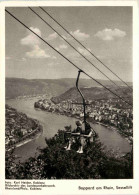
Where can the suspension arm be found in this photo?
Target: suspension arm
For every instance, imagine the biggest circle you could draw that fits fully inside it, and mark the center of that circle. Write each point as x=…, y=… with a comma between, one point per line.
x=84, y=104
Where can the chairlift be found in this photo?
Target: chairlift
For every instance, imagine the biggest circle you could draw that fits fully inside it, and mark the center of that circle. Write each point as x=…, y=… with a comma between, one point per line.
x=86, y=124
x=83, y=99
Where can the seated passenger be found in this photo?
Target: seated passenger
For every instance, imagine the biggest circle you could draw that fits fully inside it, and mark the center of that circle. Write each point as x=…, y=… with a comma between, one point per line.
x=86, y=137
x=75, y=132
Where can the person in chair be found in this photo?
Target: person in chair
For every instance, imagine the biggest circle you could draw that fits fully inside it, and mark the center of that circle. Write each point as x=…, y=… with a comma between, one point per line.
x=75, y=134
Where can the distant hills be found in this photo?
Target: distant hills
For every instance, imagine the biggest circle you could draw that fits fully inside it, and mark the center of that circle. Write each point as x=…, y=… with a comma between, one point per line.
x=95, y=93
x=54, y=87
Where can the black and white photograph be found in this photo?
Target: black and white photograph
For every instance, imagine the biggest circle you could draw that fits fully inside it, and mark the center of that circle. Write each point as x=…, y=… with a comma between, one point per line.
x=69, y=93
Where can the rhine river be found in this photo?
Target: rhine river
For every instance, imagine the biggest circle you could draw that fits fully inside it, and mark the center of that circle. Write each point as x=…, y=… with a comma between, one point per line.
x=51, y=122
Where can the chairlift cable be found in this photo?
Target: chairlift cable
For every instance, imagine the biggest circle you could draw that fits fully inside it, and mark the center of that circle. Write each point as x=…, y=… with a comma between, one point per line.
x=73, y=47
x=65, y=57
x=86, y=48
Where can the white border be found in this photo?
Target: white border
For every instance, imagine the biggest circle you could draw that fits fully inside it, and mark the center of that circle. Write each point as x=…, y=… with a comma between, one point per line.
x=71, y=186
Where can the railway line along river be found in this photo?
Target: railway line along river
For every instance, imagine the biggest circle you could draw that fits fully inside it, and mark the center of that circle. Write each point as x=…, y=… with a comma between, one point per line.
x=51, y=122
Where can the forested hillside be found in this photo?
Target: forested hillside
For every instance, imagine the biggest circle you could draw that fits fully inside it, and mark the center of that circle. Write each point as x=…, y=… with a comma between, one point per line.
x=95, y=93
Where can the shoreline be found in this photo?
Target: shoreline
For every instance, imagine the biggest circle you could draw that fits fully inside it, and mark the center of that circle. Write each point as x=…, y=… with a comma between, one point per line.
x=29, y=140
x=19, y=144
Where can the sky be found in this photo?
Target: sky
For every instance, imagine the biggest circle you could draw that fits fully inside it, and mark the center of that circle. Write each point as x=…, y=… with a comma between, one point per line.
x=106, y=31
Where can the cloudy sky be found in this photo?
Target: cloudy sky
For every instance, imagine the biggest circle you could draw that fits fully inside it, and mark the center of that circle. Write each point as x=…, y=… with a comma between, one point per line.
x=105, y=31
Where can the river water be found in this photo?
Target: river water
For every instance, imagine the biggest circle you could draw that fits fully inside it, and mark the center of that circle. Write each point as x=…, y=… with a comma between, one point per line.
x=51, y=122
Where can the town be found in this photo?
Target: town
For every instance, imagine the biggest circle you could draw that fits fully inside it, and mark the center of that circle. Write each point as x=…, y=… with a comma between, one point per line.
x=111, y=113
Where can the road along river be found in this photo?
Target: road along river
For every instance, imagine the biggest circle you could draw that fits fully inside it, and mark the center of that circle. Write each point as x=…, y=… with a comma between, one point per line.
x=51, y=122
